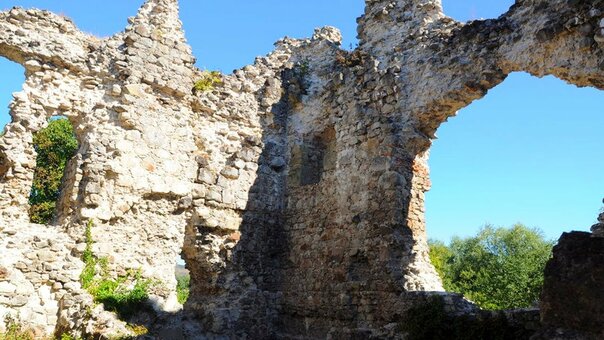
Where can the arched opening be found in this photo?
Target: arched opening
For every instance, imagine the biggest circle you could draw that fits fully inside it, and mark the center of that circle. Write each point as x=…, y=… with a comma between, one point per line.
x=55, y=145
x=526, y=153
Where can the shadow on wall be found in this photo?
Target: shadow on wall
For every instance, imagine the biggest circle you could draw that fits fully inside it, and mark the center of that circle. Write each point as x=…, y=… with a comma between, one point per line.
x=303, y=236
x=236, y=283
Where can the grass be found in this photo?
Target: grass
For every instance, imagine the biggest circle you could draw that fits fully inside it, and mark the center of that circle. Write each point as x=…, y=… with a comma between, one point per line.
x=125, y=295
x=87, y=275
x=138, y=330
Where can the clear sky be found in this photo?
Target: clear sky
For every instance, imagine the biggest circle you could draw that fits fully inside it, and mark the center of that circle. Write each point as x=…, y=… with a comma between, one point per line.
x=531, y=151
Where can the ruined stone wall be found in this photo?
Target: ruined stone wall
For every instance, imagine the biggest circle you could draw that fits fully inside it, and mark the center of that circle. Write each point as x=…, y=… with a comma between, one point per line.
x=36, y=271
x=124, y=96
x=574, y=277
x=294, y=190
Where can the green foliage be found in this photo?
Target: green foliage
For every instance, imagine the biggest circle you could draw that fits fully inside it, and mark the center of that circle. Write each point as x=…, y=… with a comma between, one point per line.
x=88, y=273
x=124, y=295
x=497, y=269
x=55, y=145
x=15, y=331
x=439, y=255
x=138, y=330
x=209, y=80
x=182, y=288
x=430, y=321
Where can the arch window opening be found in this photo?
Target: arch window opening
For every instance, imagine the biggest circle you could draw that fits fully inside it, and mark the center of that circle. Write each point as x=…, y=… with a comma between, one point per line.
x=55, y=145
x=513, y=172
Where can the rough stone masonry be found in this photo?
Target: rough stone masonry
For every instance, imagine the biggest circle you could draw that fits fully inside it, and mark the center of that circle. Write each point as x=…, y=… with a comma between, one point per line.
x=294, y=191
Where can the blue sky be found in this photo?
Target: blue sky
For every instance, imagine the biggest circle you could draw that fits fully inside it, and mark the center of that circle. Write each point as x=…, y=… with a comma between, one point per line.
x=530, y=151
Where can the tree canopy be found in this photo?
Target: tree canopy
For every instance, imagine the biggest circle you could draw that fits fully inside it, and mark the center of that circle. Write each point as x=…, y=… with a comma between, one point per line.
x=500, y=268
x=55, y=145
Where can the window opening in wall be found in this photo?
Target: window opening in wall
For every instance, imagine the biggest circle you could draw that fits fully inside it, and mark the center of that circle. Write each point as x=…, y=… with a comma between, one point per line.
x=312, y=161
x=55, y=145
x=317, y=156
x=183, y=281
x=509, y=175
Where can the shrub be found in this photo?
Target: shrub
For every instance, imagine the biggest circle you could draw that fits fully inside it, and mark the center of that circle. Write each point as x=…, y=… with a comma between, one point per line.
x=124, y=295
x=182, y=288
x=209, y=80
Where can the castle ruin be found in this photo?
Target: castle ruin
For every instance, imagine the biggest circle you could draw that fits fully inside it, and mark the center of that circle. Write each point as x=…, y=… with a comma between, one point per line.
x=294, y=191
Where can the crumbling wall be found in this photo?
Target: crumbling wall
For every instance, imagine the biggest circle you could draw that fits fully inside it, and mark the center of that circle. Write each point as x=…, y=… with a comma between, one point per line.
x=295, y=189
x=574, y=277
x=124, y=96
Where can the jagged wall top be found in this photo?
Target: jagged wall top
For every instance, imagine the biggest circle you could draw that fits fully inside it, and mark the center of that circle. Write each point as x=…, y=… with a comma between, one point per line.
x=156, y=32
x=388, y=21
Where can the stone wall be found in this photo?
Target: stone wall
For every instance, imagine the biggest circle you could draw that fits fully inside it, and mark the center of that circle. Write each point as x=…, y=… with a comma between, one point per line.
x=574, y=277
x=124, y=96
x=294, y=190
x=37, y=270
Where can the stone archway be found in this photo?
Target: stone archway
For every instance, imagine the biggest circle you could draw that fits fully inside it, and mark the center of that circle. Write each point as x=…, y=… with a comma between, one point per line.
x=496, y=162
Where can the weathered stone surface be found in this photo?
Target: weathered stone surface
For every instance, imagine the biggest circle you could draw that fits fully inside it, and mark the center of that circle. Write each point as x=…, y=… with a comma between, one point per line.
x=572, y=293
x=598, y=228
x=294, y=190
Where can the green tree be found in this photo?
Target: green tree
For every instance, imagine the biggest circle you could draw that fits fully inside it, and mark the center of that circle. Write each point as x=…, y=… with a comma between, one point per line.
x=500, y=268
x=440, y=253
x=55, y=145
